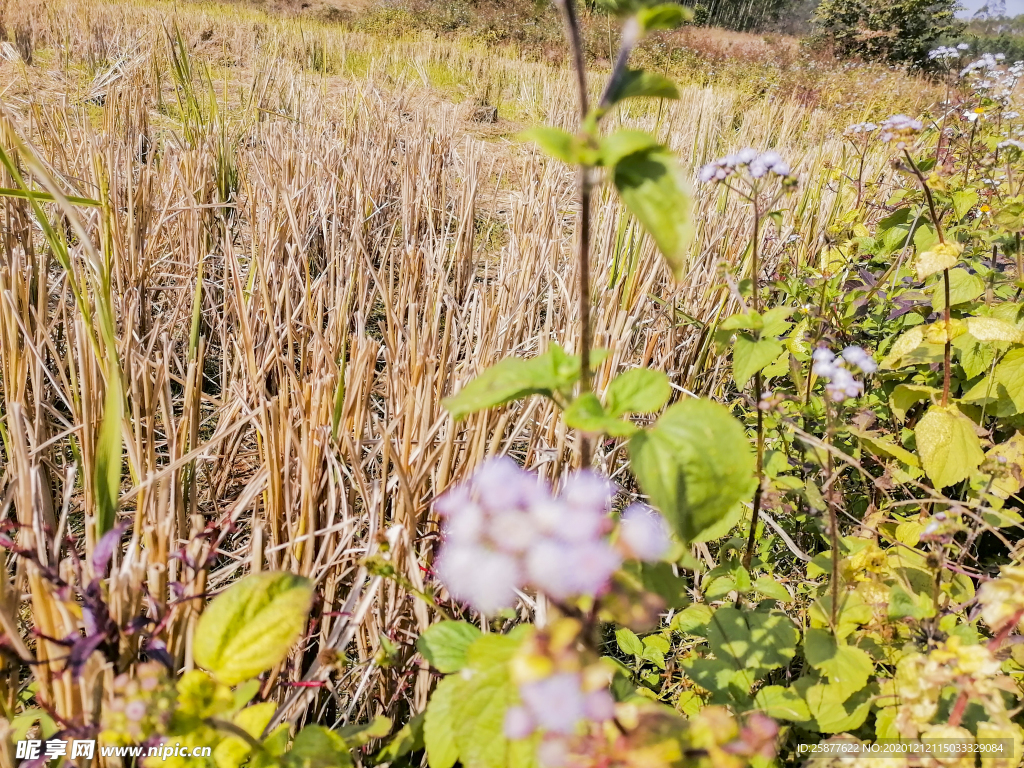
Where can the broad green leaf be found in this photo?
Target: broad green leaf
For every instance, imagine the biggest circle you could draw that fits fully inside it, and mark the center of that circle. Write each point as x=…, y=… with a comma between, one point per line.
x=833, y=711
x=775, y=322
x=636, y=83
x=439, y=724
x=586, y=414
x=729, y=683
x=694, y=464
x=903, y=605
x=640, y=390
x=963, y=287
x=623, y=143
x=1010, y=374
x=514, y=378
x=663, y=16
x=902, y=347
x=722, y=527
x=252, y=625
x=233, y=751
x=107, y=467
x=846, y=667
x=771, y=588
x=782, y=703
x=479, y=714
x=1009, y=457
x=446, y=644
x=758, y=640
x=750, y=355
x=555, y=142
x=1011, y=216
x=906, y=396
x=628, y=642
x=948, y=445
x=994, y=329
x=975, y=356
x=319, y=747
x=692, y=618
x=941, y=256
x=963, y=202
x=654, y=190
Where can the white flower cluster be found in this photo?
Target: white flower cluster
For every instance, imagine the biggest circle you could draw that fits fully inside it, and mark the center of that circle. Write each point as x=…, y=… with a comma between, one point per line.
x=557, y=704
x=841, y=383
x=899, y=127
x=853, y=130
x=947, y=52
x=756, y=164
x=991, y=79
x=505, y=531
x=1011, y=144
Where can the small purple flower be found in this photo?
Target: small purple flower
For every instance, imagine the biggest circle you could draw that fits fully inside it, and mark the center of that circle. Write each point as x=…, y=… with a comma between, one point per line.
x=518, y=723
x=644, y=533
x=556, y=702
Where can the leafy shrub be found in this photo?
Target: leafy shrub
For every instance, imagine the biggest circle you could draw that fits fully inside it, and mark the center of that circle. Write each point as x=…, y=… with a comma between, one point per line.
x=899, y=31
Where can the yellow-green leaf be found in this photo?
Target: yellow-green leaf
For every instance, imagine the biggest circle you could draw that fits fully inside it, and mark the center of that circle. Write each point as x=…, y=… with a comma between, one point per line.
x=252, y=625
x=993, y=329
x=949, y=447
x=233, y=751
x=903, y=346
x=941, y=256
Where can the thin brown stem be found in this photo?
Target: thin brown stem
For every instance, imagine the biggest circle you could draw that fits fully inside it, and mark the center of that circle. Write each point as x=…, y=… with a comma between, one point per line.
x=947, y=351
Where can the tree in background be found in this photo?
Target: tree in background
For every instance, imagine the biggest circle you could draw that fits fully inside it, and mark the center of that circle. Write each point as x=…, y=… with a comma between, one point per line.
x=899, y=31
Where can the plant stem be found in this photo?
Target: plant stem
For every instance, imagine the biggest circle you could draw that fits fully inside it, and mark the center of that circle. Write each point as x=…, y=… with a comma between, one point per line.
x=583, y=183
x=833, y=518
x=755, y=301
x=947, y=351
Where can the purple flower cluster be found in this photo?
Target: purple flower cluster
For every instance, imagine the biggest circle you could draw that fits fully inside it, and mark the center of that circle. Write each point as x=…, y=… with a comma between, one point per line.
x=898, y=128
x=505, y=531
x=947, y=52
x=557, y=704
x=758, y=165
x=840, y=381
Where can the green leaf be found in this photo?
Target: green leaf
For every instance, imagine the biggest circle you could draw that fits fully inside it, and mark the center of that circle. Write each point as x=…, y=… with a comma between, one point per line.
x=107, y=467
x=882, y=446
x=782, y=703
x=692, y=618
x=847, y=667
x=588, y=415
x=694, y=464
x=963, y=287
x=555, y=142
x=628, y=642
x=514, y=378
x=994, y=329
x=941, y=256
x=439, y=724
x=963, y=202
x=233, y=751
x=663, y=16
x=723, y=678
x=902, y=347
x=624, y=143
x=948, y=445
x=750, y=355
x=906, y=396
x=252, y=625
x=831, y=708
x=1010, y=373
x=656, y=193
x=640, y=390
x=903, y=605
x=758, y=641
x=319, y=747
x=775, y=323
x=409, y=738
x=479, y=713
x=769, y=587
x=636, y=83
x=446, y=644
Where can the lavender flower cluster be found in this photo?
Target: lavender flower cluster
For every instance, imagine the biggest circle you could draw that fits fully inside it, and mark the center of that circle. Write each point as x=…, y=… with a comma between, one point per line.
x=840, y=381
x=504, y=531
x=557, y=704
x=756, y=164
x=898, y=128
